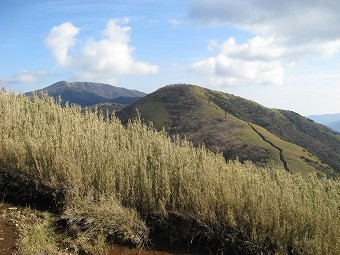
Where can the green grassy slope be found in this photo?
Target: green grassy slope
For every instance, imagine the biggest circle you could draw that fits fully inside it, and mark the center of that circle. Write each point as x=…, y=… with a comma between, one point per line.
x=287, y=125
x=296, y=158
x=195, y=113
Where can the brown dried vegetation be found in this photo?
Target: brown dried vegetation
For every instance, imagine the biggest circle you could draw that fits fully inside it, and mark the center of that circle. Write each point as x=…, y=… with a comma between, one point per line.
x=117, y=180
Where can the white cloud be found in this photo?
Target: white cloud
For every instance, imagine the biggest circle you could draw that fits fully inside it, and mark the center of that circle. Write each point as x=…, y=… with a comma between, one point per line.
x=113, y=54
x=59, y=40
x=213, y=45
x=254, y=62
x=257, y=48
x=116, y=31
x=301, y=19
x=297, y=24
x=103, y=59
x=174, y=23
x=26, y=76
x=286, y=34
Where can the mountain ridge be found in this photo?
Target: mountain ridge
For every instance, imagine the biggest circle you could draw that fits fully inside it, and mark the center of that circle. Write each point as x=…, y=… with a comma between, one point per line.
x=90, y=93
x=330, y=120
x=335, y=126
x=221, y=122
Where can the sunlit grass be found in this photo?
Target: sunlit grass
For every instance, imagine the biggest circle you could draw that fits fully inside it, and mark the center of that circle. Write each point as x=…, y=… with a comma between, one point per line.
x=135, y=171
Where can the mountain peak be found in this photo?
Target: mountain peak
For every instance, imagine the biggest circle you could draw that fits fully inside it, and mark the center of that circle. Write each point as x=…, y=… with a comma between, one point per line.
x=90, y=93
x=239, y=128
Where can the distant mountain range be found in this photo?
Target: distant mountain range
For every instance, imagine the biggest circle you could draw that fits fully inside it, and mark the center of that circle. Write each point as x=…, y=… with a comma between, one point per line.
x=330, y=120
x=335, y=125
x=90, y=93
x=240, y=128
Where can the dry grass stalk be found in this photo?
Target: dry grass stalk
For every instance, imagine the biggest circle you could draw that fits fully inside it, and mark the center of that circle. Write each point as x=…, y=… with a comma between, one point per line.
x=145, y=171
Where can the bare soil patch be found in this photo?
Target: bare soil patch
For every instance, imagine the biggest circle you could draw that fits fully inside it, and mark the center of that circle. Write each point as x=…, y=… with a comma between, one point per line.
x=8, y=234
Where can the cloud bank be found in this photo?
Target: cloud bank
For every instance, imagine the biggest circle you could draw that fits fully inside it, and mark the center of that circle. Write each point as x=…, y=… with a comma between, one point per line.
x=254, y=62
x=284, y=33
x=26, y=76
x=298, y=20
x=98, y=59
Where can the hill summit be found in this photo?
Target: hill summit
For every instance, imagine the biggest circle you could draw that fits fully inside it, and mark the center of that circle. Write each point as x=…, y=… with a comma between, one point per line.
x=240, y=128
x=90, y=93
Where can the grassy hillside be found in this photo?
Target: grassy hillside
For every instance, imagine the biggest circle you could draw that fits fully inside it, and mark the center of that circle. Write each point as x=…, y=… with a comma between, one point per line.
x=295, y=158
x=116, y=183
x=287, y=125
x=195, y=113
x=90, y=93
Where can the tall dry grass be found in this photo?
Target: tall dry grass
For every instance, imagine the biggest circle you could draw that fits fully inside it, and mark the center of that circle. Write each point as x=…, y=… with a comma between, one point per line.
x=135, y=170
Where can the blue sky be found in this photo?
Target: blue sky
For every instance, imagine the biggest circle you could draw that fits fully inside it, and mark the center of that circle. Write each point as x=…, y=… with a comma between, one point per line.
x=282, y=54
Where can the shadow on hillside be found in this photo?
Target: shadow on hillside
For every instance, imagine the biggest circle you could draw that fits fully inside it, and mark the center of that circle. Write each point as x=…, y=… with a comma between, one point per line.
x=23, y=191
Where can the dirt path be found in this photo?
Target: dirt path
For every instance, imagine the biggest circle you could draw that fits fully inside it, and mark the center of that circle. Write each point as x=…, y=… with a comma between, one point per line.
x=282, y=159
x=7, y=232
